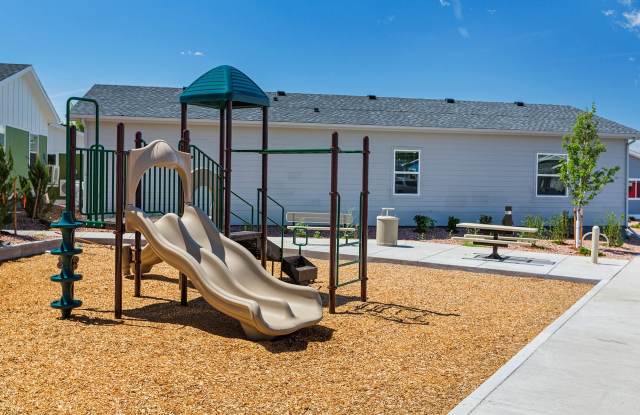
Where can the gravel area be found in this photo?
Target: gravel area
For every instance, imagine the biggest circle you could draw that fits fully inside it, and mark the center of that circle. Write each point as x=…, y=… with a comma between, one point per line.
x=8, y=238
x=425, y=340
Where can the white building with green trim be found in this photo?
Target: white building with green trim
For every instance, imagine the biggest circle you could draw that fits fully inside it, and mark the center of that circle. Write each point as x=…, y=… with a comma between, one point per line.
x=26, y=116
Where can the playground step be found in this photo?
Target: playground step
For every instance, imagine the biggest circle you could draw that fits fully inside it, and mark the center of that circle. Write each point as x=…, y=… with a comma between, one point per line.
x=253, y=245
x=244, y=235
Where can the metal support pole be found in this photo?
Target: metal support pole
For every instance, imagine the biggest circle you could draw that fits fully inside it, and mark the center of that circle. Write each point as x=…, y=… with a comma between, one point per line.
x=333, y=232
x=220, y=179
x=184, y=146
x=364, y=219
x=183, y=118
x=265, y=168
x=227, y=172
x=67, y=252
x=221, y=153
x=119, y=223
x=138, y=240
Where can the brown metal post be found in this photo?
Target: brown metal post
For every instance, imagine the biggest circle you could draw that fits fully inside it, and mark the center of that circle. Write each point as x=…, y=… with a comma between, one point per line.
x=184, y=146
x=227, y=172
x=183, y=118
x=333, y=232
x=119, y=224
x=364, y=219
x=138, y=240
x=221, y=153
x=265, y=168
x=220, y=179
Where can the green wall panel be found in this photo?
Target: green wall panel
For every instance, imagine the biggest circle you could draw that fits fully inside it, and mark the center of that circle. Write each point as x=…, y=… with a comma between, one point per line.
x=18, y=143
x=42, y=148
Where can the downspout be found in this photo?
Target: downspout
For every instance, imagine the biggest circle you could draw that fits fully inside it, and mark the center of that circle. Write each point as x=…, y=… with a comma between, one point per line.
x=626, y=182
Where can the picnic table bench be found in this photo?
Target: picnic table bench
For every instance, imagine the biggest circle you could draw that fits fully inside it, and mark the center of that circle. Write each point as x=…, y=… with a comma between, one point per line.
x=495, y=238
x=318, y=221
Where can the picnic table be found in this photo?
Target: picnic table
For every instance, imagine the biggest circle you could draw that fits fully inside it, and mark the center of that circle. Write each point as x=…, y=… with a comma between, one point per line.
x=495, y=238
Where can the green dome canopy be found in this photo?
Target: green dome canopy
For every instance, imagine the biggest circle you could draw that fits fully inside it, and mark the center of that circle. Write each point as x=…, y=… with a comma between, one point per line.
x=221, y=84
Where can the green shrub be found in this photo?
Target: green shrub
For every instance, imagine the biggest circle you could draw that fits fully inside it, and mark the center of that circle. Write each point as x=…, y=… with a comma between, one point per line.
x=534, y=222
x=6, y=185
x=613, y=229
x=423, y=223
x=485, y=219
x=559, y=227
x=451, y=223
x=317, y=234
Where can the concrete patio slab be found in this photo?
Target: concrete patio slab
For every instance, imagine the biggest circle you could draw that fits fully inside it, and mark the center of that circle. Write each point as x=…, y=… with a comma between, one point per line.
x=581, y=267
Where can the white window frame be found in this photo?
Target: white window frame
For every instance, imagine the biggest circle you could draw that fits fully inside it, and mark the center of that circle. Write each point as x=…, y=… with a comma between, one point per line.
x=633, y=179
x=37, y=138
x=566, y=191
x=3, y=131
x=418, y=173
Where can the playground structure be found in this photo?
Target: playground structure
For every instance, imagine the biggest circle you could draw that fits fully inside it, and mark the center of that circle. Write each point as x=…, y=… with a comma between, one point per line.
x=105, y=177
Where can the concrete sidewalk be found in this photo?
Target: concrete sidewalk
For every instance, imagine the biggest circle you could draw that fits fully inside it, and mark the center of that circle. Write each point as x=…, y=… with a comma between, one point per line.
x=524, y=263
x=589, y=365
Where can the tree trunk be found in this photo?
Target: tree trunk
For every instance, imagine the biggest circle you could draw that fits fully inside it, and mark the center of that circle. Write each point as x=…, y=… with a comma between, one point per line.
x=578, y=228
x=35, y=203
x=15, y=209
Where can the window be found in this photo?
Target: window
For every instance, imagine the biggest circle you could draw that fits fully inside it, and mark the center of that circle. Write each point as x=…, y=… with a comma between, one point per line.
x=34, y=145
x=547, y=175
x=634, y=189
x=406, y=180
x=51, y=159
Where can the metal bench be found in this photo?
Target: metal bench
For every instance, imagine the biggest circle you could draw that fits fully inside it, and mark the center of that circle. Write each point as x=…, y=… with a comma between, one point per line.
x=318, y=221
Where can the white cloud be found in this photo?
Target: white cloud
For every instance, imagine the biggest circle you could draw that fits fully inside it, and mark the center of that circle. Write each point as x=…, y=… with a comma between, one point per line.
x=192, y=53
x=626, y=2
x=491, y=11
x=608, y=12
x=632, y=59
x=631, y=20
x=445, y=3
x=463, y=32
x=457, y=9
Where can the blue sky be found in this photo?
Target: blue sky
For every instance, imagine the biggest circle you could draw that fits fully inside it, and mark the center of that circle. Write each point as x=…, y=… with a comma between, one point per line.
x=566, y=52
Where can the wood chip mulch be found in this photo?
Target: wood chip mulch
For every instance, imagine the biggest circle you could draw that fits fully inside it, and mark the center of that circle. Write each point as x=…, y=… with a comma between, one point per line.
x=425, y=340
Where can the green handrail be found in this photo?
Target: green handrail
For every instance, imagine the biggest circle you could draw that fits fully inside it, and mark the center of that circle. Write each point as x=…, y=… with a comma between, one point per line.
x=280, y=225
x=251, y=223
x=294, y=151
x=68, y=183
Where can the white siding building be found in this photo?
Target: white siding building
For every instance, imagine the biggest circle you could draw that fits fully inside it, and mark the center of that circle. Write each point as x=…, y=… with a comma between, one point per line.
x=26, y=115
x=438, y=158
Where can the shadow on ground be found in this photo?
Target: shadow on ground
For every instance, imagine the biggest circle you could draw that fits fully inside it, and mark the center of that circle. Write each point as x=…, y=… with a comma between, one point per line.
x=397, y=313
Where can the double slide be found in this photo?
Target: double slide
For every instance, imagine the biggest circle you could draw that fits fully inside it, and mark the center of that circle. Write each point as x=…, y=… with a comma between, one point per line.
x=226, y=274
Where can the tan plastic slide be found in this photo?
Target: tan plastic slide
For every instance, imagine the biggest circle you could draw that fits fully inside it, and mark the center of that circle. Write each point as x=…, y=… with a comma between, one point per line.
x=226, y=274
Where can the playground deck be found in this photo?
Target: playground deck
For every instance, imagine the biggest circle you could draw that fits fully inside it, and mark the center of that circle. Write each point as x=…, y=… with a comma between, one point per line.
x=424, y=341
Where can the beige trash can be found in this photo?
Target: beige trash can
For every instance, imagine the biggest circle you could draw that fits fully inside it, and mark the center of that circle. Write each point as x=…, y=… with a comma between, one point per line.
x=387, y=228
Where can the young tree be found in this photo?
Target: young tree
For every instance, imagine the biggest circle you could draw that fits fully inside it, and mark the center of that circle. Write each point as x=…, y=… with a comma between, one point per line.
x=578, y=172
x=39, y=178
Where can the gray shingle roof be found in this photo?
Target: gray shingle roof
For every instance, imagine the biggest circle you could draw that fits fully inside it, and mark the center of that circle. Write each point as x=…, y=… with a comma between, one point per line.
x=8, y=69
x=159, y=102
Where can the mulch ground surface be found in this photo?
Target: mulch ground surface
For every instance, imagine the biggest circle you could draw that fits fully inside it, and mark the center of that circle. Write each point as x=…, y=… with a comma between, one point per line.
x=425, y=340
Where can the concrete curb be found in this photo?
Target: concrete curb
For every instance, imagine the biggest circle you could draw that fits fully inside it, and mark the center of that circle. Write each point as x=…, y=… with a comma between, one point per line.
x=26, y=249
x=468, y=404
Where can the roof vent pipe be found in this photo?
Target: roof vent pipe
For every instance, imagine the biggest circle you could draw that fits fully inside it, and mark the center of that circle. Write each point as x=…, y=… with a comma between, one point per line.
x=281, y=94
x=372, y=97
x=450, y=100
x=316, y=109
x=275, y=98
x=519, y=104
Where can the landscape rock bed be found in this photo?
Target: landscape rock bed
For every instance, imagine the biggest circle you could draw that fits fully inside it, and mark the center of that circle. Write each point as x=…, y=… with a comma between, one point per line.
x=424, y=341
